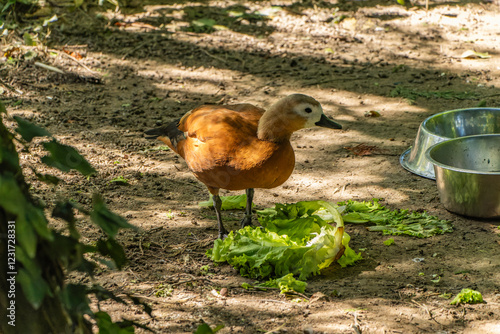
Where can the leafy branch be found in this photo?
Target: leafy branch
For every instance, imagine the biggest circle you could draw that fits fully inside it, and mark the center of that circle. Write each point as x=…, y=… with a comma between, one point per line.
x=44, y=256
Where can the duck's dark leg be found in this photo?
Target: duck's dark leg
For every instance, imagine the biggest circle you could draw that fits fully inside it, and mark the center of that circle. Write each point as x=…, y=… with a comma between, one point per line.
x=247, y=220
x=217, y=206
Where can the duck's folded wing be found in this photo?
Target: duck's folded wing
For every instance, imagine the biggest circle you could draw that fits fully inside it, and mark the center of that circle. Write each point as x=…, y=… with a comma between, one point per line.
x=222, y=136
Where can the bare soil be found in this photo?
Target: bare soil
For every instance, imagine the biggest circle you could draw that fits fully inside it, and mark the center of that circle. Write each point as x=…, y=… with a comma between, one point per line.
x=146, y=65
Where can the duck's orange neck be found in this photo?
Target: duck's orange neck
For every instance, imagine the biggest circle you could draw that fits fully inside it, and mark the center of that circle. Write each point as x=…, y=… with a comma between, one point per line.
x=278, y=126
x=272, y=128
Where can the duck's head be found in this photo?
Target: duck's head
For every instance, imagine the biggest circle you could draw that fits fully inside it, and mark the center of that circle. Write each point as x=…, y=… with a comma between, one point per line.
x=292, y=113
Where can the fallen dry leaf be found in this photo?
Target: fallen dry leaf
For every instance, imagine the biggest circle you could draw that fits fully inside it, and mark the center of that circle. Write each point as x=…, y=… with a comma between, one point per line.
x=362, y=149
x=318, y=297
x=73, y=54
x=372, y=113
x=471, y=54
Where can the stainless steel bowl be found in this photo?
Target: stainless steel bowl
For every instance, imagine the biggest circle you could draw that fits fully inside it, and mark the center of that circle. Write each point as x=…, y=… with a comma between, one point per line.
x=448, y=125
x=468, y=174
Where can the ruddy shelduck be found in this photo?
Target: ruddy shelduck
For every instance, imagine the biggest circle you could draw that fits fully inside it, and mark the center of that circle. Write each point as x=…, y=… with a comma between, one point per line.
x=241, y=146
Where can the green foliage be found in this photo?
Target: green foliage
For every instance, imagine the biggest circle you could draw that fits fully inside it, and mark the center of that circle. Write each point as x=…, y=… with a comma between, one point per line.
x=286, y=284
x=468, y=296
x=29, y=40
x=295, y=239
x=62, y=157
x=396, y=222
x=204, y=328
x=120, y=180
x=228, y=202
x=43, y=255
x=389, y=242
x=5, y=5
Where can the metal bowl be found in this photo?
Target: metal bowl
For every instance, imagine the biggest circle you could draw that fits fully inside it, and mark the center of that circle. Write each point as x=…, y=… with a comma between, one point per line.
x=467, y=173
x=448, y=125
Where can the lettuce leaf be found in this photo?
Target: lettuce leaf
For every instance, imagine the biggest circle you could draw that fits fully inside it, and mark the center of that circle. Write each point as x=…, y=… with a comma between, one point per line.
x=228, y=202
x=395, y=222
x=294, y=239
x=468, y=296
x=286, y=284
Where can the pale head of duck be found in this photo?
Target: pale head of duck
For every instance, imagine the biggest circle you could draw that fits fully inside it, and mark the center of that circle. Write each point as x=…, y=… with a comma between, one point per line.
x=292, y=113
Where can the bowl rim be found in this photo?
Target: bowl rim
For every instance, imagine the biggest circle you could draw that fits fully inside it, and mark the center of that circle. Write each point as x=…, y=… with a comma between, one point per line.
x=425, y=121
x=425, y=131
x=456, y=169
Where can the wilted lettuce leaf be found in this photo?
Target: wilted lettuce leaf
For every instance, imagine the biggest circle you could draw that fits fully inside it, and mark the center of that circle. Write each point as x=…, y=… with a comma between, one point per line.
x=228, y=202
x=468, y=296
x=395, y=222
x=294, y=239
x=286, y=283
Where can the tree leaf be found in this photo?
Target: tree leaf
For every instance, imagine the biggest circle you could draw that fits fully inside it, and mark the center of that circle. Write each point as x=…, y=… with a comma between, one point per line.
x=204, y=329
x=65, y=158
x=28, y=130
x=74, y=297
x=2, y=108
x=34, y=287
x=36, y=218
x=28, y=39
x=12, y=200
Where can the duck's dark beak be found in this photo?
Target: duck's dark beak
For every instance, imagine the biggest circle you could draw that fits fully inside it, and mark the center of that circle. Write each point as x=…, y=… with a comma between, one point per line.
x=325, y=122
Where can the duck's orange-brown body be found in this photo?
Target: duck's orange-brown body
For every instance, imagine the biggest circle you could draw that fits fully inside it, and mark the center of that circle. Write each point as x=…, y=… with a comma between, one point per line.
x=241, y=146
x=223, y=151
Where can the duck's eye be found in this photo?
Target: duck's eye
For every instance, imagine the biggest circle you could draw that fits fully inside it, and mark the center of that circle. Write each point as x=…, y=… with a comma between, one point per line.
x=308, y=110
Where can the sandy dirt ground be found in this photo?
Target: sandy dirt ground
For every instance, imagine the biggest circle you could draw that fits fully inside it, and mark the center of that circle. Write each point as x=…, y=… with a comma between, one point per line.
x=148, y=64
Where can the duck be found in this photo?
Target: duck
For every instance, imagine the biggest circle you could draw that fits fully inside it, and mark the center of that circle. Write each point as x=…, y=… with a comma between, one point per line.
x=241, y=146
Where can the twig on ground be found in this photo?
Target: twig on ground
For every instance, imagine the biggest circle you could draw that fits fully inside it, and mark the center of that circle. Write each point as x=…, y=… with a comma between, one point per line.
x=343, y=188
x=11, y=88
x=273, y=301
x=277, y=329
x=75, y=60
x=49, y=68
x=297, y=294
x=355, y=325
x=214, y=57
x=424, y=307
x=135, y=49
x=140, y=245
